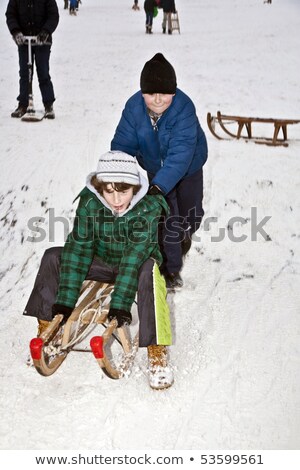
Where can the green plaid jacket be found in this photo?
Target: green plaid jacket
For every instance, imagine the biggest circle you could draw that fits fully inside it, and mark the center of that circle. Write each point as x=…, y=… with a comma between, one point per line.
x=124, y=242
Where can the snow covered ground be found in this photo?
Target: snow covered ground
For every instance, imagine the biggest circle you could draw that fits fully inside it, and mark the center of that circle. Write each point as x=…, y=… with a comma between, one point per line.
x=236, y=323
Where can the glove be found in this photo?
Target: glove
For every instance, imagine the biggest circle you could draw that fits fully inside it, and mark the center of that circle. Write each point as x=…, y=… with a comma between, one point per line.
x=154, y=190
x=63, y=310
x=19, y=38
x=42, y=37
x=122, y=317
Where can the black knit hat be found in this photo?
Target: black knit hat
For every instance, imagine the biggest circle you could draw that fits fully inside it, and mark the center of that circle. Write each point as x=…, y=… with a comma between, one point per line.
x=158, y=76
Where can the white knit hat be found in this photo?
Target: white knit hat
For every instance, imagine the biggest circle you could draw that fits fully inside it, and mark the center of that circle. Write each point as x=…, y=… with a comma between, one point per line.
x=118, y=167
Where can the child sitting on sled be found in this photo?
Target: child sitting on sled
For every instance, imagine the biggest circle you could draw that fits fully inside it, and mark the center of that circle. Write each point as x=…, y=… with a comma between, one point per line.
x=114, y=239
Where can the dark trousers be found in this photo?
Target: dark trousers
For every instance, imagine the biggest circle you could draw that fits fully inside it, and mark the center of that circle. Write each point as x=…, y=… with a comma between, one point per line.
x=46, y=284
x=186, y=213
x=41, y=58
x=149, y=19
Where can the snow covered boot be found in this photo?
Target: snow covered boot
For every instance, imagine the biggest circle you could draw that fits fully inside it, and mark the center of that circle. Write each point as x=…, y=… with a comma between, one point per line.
x=159, y=373
x=49, y=112
x=173, y=281
x=19, y=112
x=43, y=325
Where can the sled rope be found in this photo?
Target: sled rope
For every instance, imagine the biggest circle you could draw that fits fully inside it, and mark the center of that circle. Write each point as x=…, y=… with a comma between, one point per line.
x=96, y=313
x=53, y=350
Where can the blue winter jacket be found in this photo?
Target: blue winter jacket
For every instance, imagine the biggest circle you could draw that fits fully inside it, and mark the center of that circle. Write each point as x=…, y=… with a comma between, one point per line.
x=177, y=148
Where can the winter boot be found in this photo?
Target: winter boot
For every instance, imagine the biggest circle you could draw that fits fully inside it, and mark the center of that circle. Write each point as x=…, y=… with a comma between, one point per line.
x=19, y=112
x=43, y=325
x=164, y=30
x=49, y=112
x=173, y=281
x=159, y=373
x=169, y=31
x=150, y=29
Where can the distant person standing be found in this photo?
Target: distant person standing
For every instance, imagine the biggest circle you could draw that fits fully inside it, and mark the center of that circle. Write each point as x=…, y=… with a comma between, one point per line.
x=33, y=18
x=149, y=7
x=73, y=7
x=135, y=5
x=168, y=7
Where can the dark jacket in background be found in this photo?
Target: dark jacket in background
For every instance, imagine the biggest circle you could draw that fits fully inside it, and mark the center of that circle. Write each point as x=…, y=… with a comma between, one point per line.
x=149, y=6
x=32, y=16
x=168, y=6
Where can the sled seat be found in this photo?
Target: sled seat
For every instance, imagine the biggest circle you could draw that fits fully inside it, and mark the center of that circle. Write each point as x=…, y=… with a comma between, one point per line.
x=245, y=123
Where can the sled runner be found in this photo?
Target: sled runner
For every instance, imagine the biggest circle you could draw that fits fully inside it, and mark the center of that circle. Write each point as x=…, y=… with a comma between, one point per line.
x=31, y=114
x=175, y=22
x=233, y=127
x=114, y=350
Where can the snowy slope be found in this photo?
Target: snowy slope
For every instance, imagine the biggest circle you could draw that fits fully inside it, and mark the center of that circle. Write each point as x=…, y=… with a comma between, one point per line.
x=236, y=322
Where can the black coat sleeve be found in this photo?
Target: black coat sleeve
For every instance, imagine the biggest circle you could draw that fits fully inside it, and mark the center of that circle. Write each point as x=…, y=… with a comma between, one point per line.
x=12, y=17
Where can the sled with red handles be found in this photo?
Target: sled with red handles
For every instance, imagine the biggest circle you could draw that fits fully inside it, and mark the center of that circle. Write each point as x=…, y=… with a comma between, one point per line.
x=114, y=349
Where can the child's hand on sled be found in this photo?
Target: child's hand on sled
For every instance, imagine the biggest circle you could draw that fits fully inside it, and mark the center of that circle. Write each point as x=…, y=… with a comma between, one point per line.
x=122, y=317
x=19, y=38
x=42, y=37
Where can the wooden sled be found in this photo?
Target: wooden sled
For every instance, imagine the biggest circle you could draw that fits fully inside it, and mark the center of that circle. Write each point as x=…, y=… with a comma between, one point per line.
x=241, y=123
x=175, y=22
x=114, y=350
